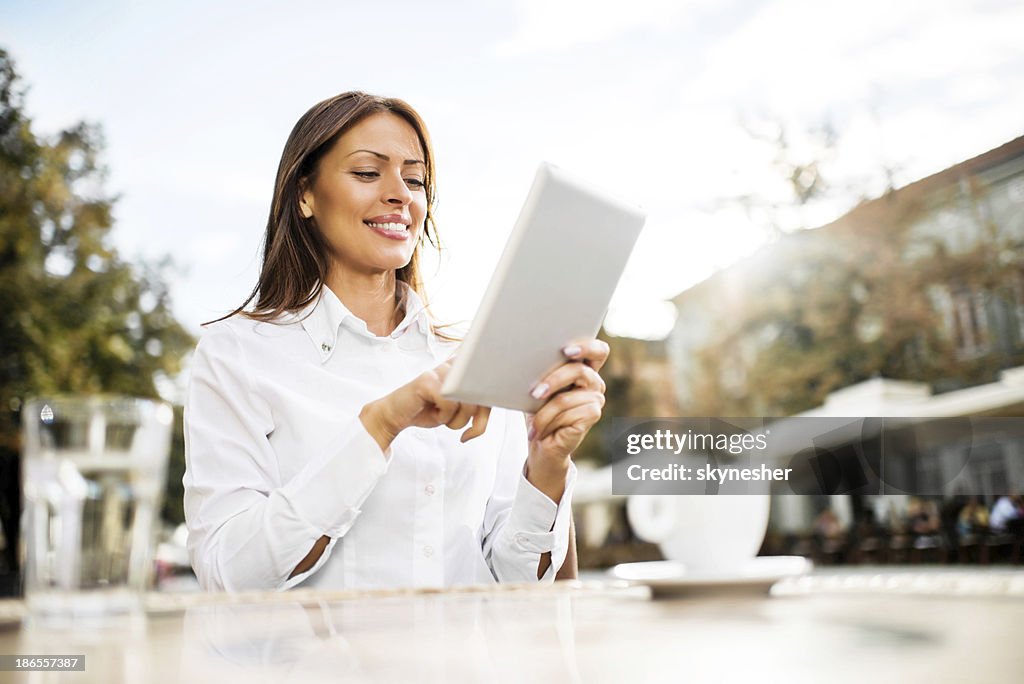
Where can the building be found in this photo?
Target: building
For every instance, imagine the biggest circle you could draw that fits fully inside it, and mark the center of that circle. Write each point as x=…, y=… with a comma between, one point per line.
x=924, y=284
x=911, y=302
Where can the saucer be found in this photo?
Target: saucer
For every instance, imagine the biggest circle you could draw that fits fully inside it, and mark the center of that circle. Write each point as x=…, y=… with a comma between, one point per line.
x=667, y=578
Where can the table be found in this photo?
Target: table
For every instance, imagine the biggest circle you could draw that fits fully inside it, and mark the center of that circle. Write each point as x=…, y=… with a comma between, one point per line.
x=868, y=625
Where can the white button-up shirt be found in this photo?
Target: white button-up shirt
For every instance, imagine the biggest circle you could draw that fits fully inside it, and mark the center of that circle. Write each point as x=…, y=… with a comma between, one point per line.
x=276, y=457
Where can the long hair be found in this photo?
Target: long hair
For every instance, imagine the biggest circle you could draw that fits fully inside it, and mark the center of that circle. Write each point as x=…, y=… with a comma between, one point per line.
x=295, y=253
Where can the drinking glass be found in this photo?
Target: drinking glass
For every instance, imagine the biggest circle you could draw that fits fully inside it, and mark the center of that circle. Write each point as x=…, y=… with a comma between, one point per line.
x=93, y=475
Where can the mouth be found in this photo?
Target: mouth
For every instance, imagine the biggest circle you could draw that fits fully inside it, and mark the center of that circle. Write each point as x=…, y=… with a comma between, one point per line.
x=394, y=226
x=389, y=226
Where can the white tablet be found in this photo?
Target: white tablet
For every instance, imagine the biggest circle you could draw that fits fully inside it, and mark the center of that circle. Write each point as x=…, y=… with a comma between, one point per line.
x=552, y=285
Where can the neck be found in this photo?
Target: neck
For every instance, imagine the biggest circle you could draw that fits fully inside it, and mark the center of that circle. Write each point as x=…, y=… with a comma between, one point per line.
x=371, y=297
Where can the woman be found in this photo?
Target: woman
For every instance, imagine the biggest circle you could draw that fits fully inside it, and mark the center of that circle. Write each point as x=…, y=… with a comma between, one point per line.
x=318, y=447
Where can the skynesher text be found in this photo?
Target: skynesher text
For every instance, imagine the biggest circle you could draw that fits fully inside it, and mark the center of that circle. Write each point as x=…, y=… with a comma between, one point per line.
x=680, y=473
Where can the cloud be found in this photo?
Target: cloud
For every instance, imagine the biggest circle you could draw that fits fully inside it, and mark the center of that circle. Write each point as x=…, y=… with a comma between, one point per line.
x=547, y=25
x=797, y=56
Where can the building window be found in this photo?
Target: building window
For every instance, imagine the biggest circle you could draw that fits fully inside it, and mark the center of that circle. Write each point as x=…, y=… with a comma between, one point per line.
x=1017, y=288
x=970, y=324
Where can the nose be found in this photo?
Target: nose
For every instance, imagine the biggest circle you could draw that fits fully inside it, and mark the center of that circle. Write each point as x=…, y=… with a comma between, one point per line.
x=396, y=192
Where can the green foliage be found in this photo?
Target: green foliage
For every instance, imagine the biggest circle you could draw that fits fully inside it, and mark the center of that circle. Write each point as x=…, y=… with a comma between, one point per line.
x=77, y=318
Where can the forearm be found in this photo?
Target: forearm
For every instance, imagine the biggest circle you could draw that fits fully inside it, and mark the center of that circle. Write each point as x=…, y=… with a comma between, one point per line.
x=550, y=480
x=307, y=563
x=545, y=563
x=547, y=474
x=245, y=536
x=528, y=541
x=383, y=433
x=260, y=548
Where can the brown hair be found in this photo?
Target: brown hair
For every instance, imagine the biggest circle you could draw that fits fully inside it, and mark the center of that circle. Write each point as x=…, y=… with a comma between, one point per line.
x=295, y=254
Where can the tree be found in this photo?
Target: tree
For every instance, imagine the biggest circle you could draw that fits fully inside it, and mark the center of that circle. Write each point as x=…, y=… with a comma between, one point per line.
x=77, y=317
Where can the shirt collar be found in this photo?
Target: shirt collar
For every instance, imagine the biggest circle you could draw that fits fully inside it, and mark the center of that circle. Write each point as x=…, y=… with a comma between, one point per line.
x=323, y=317
x=415, y=310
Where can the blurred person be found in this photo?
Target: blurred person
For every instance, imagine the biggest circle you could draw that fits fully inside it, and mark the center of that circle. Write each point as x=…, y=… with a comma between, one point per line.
x=924, y=525
x=829, y=536
x=1006, y=514
x=827, y=525
x=973, y=518
x=922, y=517
x=319, y=450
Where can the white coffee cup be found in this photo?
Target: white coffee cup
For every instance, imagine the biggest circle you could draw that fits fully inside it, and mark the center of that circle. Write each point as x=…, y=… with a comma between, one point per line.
x=708, y=534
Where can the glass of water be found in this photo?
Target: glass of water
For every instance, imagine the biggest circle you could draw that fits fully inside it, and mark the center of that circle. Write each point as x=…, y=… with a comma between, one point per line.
x=93, y=476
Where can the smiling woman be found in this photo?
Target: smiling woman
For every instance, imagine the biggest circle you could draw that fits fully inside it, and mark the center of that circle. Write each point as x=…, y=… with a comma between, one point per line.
x=353, y=184
x=316, y=447
x=297, y=248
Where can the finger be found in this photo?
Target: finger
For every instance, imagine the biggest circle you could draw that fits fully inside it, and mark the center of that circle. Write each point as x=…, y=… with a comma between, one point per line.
x=580, y=417
x=560, y=403
x=460, y=418
x=480, y=420
x=571, y=374
x=441, y=410
x=592, y=352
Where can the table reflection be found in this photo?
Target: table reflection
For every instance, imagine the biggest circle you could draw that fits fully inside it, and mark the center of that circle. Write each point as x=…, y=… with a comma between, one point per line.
x=838, y=627
x=463, y=637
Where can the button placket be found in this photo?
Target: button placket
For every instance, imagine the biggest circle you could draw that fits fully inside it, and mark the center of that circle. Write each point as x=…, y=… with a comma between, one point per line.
x=428, y=535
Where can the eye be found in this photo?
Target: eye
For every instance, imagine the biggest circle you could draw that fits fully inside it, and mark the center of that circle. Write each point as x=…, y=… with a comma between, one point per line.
x=415, y=182
x=365, y=174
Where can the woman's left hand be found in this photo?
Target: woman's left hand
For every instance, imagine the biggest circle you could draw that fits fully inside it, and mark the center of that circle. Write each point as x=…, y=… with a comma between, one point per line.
x=573, y=397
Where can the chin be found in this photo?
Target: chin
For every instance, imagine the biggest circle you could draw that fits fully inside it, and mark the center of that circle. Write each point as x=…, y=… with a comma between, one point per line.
x=396, y=263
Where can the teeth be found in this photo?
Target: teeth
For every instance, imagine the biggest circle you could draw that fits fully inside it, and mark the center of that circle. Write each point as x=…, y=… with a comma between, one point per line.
x=395, y=227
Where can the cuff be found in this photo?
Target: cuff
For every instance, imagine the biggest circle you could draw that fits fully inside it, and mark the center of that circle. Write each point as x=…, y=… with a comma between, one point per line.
x=537, y=524
x=302, y=576
x=331, y=489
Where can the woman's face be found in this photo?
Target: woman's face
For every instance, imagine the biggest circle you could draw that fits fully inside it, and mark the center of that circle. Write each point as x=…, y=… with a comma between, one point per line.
x=369, y=198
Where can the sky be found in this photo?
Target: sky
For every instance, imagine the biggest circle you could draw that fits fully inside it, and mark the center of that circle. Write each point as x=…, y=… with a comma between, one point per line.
x=654, y=100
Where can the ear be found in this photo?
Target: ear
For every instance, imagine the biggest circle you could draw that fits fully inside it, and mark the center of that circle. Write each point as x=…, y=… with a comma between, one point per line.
x=305, y=199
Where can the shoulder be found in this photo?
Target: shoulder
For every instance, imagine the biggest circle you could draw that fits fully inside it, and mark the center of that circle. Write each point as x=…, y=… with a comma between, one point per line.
x=220, y=337
x=242, y=328
x=239, y=337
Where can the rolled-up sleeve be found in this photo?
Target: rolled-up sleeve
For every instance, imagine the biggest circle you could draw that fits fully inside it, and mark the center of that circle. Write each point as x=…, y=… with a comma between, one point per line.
x=247, y=529
x=521, y=522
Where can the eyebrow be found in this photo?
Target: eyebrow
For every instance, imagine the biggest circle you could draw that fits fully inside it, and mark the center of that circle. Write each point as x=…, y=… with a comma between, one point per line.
x=384, y=157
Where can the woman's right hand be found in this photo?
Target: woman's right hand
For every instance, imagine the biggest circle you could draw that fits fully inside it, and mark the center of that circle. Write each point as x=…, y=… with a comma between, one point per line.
x=420, y=404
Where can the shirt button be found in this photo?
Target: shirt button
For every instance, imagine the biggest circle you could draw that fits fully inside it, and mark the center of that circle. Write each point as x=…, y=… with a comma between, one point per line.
x=325, y=347
x=428, y=551
x=429, y=489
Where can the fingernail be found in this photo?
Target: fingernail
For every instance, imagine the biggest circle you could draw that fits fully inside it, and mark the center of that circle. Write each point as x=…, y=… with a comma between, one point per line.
x=539, y=390
x=572, y=350
x=531, y=434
